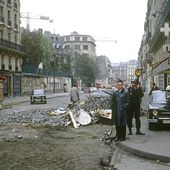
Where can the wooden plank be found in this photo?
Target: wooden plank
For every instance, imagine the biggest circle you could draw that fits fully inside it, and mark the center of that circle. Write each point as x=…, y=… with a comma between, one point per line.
x=73, y=119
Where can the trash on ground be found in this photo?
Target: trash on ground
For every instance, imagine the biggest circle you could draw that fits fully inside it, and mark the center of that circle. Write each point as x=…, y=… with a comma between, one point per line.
x=93, y=110
x=83, y=117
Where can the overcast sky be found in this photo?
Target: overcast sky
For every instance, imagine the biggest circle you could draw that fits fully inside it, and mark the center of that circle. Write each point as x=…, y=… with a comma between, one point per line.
x=120, y=20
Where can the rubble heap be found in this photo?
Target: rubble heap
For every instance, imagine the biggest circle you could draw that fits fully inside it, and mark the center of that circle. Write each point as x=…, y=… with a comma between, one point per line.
x=92, y=104
x=95, y=107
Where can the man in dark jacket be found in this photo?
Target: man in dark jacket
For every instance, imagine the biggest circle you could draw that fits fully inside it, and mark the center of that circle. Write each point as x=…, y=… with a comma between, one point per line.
x=154, y=87
x=119, y=115
x=135, y=94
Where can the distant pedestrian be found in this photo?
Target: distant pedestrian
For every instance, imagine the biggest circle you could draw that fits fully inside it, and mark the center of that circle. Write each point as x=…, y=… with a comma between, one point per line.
x=74, y=93
x=135, y=95
x=154, y=87
x=65, y=87
x=119, y=115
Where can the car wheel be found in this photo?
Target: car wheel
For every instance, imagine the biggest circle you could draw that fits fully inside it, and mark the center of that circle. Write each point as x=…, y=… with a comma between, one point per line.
x=152, y=126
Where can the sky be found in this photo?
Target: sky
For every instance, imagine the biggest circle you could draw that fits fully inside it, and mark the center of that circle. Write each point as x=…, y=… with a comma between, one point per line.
x=116, y=25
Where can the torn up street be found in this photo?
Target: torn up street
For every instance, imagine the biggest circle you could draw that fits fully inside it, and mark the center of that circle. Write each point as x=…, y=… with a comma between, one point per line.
x=48, y=139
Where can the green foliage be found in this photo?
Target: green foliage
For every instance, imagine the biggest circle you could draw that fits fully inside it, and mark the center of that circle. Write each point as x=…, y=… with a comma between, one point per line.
x=86, y=68
x=37, y=48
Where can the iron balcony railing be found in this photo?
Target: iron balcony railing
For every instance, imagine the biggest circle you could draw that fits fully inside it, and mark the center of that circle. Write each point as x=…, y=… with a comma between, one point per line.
x=10, y=45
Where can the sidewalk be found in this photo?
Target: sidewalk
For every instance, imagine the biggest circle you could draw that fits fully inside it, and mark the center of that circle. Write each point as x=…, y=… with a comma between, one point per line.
x=153, y=145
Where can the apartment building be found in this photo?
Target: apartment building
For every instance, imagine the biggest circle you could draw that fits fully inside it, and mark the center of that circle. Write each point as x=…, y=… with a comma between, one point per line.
x=80, y=43
x=11, y=51
x=124, y=71
x=73, y=45
x=132, y=65
x=154, y=52
x=119, y=71
x=105, y=70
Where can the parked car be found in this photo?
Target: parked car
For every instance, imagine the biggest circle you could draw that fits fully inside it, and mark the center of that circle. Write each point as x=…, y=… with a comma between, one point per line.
x=38, y=96
x=159, y=109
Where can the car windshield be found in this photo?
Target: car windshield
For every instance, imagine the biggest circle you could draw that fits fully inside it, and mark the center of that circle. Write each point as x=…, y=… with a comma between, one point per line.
x=38, y=91
x=158, y=97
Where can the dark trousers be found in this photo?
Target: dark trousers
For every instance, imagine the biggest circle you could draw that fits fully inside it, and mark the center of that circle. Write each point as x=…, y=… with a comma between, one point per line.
x=120, y=131
x=133, y=111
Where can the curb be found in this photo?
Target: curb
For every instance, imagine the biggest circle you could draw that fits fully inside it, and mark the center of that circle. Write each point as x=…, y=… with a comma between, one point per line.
x=25, y=101
x=144, y=154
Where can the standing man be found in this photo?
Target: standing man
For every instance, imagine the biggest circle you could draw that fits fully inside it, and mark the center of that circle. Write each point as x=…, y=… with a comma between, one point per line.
x=74, y=93
x=135, y=94
x=154, y=87
x=119, y=115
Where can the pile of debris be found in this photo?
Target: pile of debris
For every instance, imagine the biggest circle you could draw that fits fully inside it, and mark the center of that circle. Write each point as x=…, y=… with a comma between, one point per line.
x=93, y=110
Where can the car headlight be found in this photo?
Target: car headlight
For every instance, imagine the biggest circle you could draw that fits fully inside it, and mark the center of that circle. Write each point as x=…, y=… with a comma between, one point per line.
x=155, y=112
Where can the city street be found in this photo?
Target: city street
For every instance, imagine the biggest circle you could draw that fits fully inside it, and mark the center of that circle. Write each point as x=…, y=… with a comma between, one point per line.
x=27, y=146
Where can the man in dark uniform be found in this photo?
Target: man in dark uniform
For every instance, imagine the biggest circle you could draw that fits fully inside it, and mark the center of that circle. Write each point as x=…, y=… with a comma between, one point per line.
x=119, y=115
x=135, y=94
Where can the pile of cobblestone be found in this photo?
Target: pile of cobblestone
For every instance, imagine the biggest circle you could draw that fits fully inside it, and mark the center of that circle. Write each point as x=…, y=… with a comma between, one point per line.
x=44, y=117
x=34, y=117
x=95, y=103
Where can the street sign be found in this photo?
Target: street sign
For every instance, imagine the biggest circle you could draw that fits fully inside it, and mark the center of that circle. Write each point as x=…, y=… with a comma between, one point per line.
x=138, y=72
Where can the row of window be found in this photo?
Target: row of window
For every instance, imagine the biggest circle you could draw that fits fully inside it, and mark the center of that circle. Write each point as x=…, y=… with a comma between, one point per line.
x=75, y=38
x=9, y=37
x=77, y=47
x=68, y=38
x=8, y=65
x=9, y=23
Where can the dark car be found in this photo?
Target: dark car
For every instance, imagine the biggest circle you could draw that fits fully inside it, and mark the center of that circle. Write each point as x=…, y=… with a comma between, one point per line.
x=159, y=109
x=38, y=96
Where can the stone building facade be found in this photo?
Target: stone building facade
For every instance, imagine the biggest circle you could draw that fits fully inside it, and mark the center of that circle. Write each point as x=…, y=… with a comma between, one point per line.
x=105, y=76
x=82, y=44
x=124, y=71
x=11, y=51
x=154, y=53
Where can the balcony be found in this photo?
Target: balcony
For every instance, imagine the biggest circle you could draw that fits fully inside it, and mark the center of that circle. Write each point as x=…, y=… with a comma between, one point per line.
x=11, y=46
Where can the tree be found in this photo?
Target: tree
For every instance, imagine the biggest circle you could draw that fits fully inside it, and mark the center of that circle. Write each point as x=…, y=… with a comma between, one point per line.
x=38, y=49
x=86, y=68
